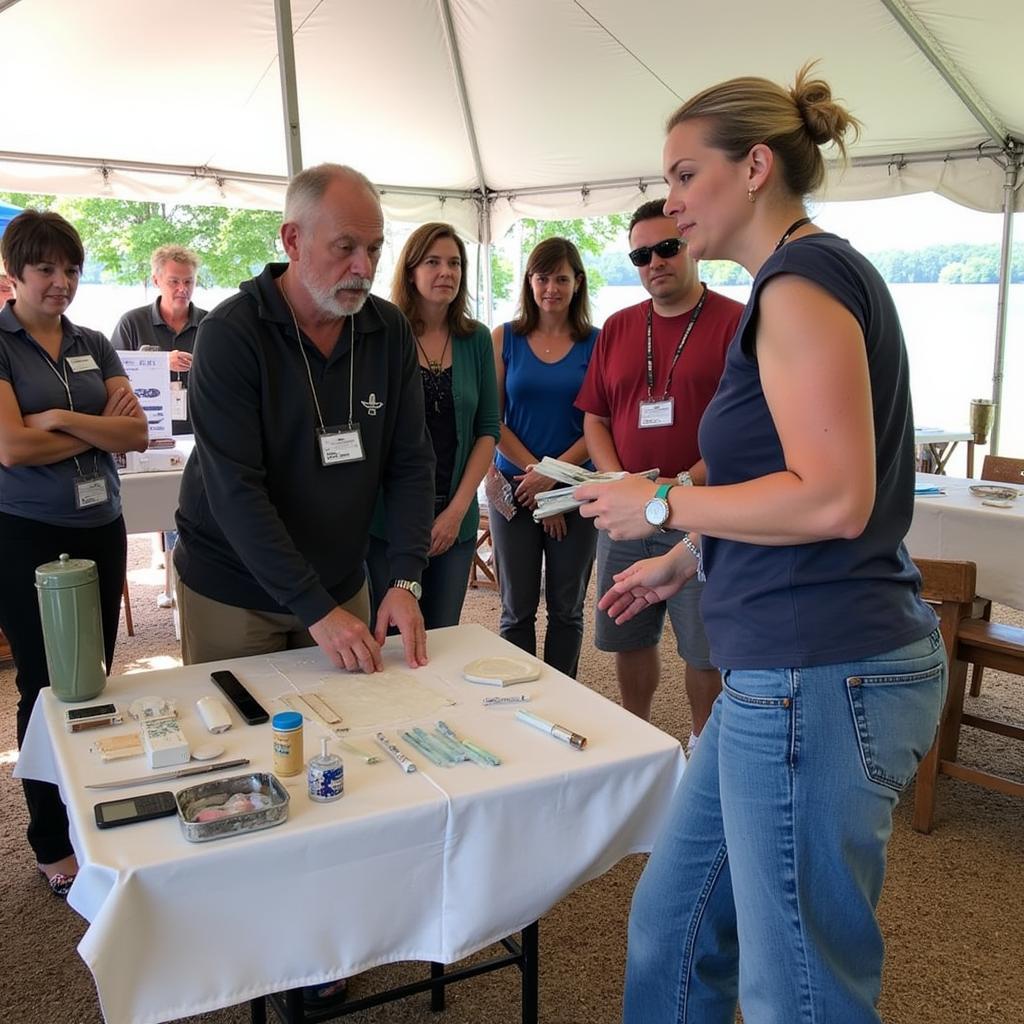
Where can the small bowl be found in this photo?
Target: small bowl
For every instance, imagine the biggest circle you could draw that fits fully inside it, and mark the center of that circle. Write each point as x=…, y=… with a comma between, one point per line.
x=194, y=799
x=994, y=491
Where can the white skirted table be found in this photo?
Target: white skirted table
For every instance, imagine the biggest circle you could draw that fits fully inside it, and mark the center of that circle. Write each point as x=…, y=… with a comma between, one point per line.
x=427, y=866
x=955, y=524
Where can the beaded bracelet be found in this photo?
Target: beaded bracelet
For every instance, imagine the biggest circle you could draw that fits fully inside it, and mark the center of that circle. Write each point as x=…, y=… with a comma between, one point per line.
x=697, y=554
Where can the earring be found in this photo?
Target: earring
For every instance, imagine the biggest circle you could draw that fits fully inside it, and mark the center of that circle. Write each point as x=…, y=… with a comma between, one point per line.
x=752, y=194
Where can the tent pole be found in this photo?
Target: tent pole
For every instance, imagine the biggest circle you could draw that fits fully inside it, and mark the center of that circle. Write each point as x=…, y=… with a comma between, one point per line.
x=486, y=284
x=1013, y=166
x=289, y=90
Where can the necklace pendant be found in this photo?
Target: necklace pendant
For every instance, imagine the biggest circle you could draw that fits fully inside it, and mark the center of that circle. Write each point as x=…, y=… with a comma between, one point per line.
x=434, y=366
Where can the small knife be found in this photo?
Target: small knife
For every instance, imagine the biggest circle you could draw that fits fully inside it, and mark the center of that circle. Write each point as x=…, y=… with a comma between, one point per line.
x=179, y=773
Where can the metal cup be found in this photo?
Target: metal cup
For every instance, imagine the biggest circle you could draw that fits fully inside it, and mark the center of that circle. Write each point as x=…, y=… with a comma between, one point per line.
x=983, y=414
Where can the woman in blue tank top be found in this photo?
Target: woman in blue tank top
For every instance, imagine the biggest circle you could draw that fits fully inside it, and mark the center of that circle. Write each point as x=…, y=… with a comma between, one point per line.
x=767, y=874
x=541, y=358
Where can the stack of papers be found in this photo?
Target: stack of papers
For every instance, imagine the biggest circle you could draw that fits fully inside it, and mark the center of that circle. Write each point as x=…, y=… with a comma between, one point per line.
x=554, y=502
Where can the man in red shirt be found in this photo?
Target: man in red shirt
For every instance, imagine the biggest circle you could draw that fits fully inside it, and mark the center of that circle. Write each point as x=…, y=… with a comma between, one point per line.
x=654, y=371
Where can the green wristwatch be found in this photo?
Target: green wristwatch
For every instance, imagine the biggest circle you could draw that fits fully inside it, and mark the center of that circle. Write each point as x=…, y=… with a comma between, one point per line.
x=657, y=510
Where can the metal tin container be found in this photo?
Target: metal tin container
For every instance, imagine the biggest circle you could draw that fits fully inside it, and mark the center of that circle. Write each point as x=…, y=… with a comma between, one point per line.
x=211, y=795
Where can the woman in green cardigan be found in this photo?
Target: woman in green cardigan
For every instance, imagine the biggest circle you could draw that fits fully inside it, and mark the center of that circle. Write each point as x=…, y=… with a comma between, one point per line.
x=461, y=406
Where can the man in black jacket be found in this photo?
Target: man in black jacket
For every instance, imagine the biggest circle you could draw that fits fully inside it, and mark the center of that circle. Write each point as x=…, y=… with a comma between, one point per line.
x=306, y=400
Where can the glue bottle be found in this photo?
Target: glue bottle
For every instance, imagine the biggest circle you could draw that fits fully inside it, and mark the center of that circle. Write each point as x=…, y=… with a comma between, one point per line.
x=326, y=776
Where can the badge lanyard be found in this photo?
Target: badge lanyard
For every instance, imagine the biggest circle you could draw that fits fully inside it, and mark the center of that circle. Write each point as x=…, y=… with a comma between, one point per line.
x=659, y=412
x=337, y=445
x=89, y=490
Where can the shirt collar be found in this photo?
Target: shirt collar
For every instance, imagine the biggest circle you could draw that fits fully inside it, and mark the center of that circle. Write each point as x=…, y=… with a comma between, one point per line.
x=158, y=321
x=10, y=323
x=273, y=306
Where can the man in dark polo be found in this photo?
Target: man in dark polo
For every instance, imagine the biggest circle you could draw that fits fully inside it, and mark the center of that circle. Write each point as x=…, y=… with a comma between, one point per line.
x=169, y=324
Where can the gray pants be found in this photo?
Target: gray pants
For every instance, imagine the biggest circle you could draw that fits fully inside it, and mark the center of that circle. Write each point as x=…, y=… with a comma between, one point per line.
x=520, y=548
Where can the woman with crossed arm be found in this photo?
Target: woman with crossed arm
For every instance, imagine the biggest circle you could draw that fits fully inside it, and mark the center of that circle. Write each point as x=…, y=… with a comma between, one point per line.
x=65, y=406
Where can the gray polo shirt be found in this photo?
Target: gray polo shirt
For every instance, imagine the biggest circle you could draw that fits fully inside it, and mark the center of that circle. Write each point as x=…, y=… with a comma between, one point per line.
x=47, y=493
x=145, y=326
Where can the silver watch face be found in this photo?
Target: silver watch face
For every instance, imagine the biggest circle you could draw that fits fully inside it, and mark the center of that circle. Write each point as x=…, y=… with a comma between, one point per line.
x=411, y=585
x=656, y=511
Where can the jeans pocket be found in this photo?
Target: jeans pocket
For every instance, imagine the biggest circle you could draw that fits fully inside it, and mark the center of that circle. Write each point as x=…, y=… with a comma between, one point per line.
x=896, y=716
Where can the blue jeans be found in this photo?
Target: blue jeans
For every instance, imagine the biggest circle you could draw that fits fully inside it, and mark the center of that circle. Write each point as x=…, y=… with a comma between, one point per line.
x=444, y=581
x=764, y=881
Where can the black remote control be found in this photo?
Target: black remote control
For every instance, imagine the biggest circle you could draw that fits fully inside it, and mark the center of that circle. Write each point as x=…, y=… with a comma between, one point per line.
x=112, y=813
x=245, y=703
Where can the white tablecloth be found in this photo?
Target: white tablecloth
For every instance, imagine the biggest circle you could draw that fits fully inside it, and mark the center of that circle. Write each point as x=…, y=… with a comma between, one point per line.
x=149, y=500
x=957, y=525
x=429, y=866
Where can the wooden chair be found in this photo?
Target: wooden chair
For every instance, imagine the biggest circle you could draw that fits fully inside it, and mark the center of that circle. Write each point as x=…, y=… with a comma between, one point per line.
x=5, y=650
x=1003, y=471
x=129, y=625
x=950, y=587
x=483, y=557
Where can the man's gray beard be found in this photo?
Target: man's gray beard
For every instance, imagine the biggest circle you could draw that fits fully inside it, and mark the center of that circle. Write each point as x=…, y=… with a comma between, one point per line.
x=326, y=300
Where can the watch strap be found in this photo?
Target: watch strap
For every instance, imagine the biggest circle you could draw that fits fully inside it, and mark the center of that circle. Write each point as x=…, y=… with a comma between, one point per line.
x=412, y=586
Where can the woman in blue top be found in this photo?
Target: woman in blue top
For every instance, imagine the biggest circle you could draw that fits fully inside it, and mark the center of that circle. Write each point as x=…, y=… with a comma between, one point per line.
x=461, y=408
x=65, y=405
x=541, y=359
x=767, y=874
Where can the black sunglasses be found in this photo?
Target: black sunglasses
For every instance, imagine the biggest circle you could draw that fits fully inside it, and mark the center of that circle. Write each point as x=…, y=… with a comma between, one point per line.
x=665, y=249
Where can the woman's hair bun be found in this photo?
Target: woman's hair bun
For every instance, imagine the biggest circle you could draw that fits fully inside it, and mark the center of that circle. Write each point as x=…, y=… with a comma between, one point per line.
x=826, y=121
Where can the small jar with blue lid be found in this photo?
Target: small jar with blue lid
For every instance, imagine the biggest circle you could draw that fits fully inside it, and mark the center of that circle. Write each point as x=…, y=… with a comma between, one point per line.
x=288, y=752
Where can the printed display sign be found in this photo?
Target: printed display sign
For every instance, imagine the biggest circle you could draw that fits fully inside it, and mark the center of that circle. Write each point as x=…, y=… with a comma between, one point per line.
x=150, y=376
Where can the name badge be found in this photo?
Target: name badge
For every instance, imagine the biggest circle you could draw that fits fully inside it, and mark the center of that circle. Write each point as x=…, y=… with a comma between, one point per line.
x=90, y=491
x=338, y=446
x=179, y=401
x=80, y=363
x=656, y=414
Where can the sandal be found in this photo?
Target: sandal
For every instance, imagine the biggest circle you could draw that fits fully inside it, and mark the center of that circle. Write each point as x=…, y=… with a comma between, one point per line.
x=60, y=884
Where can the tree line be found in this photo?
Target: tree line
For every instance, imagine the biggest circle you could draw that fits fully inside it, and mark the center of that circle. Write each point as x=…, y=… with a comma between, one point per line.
x=120, y=235
x=934, y=264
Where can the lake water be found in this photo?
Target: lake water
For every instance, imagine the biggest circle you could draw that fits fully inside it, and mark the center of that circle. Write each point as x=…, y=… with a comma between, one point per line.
x=949, y=330
x=950, y=334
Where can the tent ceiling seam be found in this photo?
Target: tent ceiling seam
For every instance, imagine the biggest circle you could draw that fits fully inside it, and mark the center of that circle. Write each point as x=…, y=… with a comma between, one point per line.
x=936, y=54
x=611, y=35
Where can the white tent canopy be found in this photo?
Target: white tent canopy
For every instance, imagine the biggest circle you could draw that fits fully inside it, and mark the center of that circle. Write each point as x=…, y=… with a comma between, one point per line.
x=482, y=111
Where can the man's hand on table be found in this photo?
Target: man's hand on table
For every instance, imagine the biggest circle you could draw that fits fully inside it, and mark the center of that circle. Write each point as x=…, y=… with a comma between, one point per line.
x=400, y=609
x=348, y=642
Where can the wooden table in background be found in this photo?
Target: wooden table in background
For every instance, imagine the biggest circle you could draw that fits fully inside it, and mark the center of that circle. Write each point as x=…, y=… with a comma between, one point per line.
x=935, y=446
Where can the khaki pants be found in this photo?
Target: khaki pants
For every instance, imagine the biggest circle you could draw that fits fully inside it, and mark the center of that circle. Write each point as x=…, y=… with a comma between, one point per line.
x=213, y=631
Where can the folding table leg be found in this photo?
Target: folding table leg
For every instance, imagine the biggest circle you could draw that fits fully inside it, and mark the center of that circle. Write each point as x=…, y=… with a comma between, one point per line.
x=258, y=1010
x=531, y=974
x=437, y=991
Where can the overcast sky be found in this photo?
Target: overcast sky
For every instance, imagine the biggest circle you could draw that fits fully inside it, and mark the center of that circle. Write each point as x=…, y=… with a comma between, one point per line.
x=911, y=222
